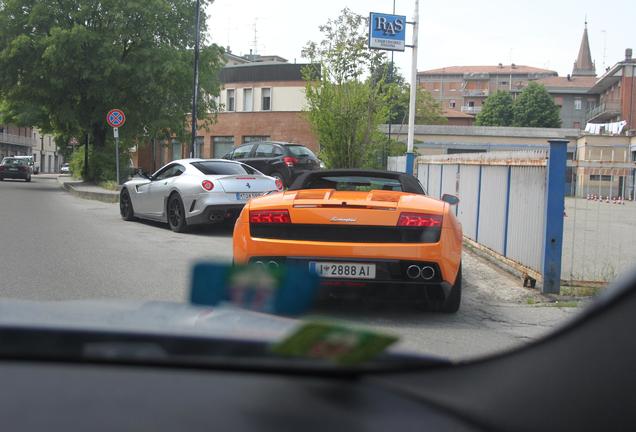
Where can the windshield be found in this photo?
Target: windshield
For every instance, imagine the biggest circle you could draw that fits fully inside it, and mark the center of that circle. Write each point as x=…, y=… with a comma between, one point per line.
x=351, y=183
x=223, y=168
x=455, y=196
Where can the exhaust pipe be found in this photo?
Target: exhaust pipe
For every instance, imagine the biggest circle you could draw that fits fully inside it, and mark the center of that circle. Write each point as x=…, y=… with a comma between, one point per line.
x=260, y=264
x=413, y=272
x=428, y=273
x=273, y=265
x=216, y=217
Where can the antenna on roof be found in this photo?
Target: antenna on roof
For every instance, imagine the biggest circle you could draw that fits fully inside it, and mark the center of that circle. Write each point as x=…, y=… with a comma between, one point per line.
x=604, y=46
x=255, y=40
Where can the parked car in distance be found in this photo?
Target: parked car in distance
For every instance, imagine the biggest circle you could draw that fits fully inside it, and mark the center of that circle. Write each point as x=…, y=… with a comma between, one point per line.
x=15, y=168
x=281, y=160
x=65, y=168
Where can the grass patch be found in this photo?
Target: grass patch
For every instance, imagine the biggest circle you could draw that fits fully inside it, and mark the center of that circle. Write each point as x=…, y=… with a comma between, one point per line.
x=110, y=185
x=563, y=304
x=531, y=301
x=581, y=291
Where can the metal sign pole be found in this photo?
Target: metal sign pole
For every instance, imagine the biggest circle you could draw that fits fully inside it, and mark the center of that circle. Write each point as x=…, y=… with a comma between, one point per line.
x=116, y=134
x=410, y=157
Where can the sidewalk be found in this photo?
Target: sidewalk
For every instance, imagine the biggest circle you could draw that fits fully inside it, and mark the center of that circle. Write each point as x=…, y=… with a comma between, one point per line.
x=87, y=190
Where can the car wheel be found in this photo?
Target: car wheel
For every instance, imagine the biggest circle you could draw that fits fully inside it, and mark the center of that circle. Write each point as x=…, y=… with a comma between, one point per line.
x=176, y=214
x=454, y=299
x=1, y=178
x=28, y=179
x=278, y=176
x=125, y=206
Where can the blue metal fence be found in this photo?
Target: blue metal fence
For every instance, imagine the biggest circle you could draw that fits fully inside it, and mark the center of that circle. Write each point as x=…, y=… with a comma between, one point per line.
x=510, y=203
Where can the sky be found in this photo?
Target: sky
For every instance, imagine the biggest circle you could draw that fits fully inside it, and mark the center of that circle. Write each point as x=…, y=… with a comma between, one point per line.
x=540, y=33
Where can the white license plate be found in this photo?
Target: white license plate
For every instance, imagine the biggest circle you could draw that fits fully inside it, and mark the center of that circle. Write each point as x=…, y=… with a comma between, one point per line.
x=343, y=270
x=13, y=169
x=244, y=196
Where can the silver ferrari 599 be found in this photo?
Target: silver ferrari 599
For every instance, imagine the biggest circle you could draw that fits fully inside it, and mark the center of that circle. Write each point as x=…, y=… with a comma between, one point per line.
x=194, y=191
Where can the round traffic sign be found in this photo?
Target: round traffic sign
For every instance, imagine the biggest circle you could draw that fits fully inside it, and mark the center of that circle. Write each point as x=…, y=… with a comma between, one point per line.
x=115, y=118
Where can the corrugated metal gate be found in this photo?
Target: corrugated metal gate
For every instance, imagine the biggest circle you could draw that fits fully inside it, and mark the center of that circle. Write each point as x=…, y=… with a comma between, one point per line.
x=502, y=199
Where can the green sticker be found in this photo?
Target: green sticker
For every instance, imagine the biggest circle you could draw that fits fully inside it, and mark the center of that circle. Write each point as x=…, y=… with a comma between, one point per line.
x=343, y=345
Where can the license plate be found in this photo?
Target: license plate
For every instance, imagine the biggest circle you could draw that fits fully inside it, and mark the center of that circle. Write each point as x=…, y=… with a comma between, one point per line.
x=244, y=196
x=13, y=169
x=343, y=270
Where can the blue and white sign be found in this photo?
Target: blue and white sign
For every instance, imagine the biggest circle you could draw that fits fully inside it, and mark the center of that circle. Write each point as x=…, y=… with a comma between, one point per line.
x=387, y=32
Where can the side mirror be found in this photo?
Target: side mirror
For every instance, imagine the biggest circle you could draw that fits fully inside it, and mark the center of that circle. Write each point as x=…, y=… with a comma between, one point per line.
x=450, y=199
x=142, y=173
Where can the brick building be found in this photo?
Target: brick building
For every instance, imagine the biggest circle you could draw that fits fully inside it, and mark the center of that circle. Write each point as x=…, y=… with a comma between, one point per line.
x=617, y=94
x=465, y=88
x=261, y=98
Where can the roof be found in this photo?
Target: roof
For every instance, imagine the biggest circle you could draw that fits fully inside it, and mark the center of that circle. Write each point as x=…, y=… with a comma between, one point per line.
x=457, y=70
x=578, y=82
x=583, y=66
x=266, y=71
x=456, y=114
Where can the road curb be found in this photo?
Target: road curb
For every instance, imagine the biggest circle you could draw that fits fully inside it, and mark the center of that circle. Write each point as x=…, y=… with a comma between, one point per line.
x=107, y=197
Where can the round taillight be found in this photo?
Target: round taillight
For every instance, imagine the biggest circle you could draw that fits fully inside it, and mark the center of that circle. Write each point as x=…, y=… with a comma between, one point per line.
x=207, y=185
x=279, y=184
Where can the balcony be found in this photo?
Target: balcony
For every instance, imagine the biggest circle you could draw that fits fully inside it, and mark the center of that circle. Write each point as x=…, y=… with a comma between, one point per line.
x=604, y=111
x=476, y=76
x=6, y=138
x=471, y=109
x=476, y=93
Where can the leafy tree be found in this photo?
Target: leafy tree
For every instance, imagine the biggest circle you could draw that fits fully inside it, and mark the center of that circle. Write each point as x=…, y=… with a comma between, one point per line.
x=65, y=64
x=534, y=107
x=345, y=105
x=496, y=110
x=427, y=109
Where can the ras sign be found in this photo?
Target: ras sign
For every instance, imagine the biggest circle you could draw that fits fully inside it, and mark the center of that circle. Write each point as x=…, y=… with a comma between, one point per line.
x=387, y=32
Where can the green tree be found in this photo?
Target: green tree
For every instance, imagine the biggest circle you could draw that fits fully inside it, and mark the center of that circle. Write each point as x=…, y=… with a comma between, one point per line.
x=64, y=65
x=534, y=107
x=345, y=105
x=428, y=111
x=496, y=111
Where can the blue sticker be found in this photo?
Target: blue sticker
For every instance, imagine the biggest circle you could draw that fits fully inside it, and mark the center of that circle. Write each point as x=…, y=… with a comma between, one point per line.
x=283, y=291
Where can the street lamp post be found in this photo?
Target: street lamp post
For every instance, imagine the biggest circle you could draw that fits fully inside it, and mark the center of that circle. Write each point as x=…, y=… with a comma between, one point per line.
x=195, y=83
x=41, y=153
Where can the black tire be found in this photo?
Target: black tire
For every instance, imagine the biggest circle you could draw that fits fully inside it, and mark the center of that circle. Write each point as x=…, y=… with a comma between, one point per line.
x=28, y=179
x=126, y=209
x=1, y=178
x=176, y=214
x=279, y=176
x=452, y=302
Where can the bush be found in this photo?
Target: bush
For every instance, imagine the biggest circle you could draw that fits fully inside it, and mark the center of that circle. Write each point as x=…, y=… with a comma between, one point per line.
x=101, y=163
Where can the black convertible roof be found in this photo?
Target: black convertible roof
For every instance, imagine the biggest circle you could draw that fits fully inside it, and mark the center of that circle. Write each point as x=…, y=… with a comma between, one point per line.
x=409, y=183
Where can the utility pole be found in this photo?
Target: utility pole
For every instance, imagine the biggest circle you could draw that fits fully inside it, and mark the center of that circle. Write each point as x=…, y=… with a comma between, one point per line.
x=195, y=83
x=85, y=174
x=385, y=153
x=42, y=153
x=410, y=157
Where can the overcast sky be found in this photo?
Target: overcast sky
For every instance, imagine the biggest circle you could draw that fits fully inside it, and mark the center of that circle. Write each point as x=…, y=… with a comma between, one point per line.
x=540, y=33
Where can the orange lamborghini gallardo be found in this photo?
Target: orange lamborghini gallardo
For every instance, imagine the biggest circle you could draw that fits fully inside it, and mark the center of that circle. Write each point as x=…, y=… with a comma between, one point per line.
x=365, y=232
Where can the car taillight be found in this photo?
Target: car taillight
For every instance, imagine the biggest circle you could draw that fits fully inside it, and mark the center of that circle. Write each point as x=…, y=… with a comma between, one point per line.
x=207, y=185
x=279, y=184
x=269, y=217
x=419, y=220
x=290, y=161
x=1, y=168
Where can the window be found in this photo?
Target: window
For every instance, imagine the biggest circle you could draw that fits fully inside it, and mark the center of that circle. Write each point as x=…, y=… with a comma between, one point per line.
x=597, y=177
x=198, y=147
x=298, y=150
x=247, y=100
x=169, y=171
x=578, y=104
x=222, y=145
x=266, y=99
x=355, y=183
x=471, y=104
x=242, y=151
x=577, y=125
x=503, y=82
x=176, y=150
x=264, y=150
x=230, y=100
x=223, y=168
x=452, y=103
x=254, y=138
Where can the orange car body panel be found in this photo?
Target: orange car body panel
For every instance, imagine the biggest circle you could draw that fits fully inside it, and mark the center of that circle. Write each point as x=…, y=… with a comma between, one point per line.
x=374, y=208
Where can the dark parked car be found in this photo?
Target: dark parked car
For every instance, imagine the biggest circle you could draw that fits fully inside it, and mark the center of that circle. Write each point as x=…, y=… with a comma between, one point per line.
x=14, y=168
x=276, y=159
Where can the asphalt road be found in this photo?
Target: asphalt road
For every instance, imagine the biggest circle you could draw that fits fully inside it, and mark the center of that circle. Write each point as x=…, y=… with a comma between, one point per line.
x=54, y=246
